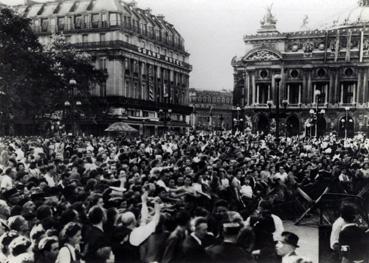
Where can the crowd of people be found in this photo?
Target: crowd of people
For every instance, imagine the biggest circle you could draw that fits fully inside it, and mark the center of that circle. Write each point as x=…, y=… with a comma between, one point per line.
x=171, y=198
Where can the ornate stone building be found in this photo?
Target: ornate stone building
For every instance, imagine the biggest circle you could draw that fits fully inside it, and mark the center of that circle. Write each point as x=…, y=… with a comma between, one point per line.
x=211, y=110
x=319, y=78
x=143, y=54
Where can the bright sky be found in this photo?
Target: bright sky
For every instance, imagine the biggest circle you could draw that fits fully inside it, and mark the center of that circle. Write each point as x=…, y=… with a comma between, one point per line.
x=213, y=29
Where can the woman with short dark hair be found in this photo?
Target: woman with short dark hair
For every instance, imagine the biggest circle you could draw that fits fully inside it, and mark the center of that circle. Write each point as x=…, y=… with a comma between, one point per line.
x=70, y=238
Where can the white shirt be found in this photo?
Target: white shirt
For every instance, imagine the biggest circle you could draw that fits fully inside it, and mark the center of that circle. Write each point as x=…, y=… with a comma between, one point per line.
x=290, y=258
x=6, y=182
x=336, y=229
x=50, y=180
x=246, y=190
x=66, y=254
x=141, y=233
x=224, y=183
x=281, y=176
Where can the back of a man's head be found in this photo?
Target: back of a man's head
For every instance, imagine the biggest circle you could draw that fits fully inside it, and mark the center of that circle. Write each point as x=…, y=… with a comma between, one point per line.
x=182, y=218
x=96, y=215
x=348, y=212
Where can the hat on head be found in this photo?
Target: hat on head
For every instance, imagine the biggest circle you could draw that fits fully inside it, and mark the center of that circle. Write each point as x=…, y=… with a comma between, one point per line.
x=290, y=238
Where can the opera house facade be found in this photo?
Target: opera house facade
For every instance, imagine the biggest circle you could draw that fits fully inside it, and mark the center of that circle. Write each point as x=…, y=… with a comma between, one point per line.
x=308, y=82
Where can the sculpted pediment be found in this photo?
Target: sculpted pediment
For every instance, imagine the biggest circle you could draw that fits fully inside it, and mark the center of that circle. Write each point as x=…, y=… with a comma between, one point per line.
x=262, y=55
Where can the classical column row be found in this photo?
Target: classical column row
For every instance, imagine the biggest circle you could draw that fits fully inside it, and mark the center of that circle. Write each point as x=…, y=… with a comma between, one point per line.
x=333, y=87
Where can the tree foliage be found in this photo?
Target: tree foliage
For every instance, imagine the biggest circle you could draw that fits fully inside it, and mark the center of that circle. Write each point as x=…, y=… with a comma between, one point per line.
x=35, y=79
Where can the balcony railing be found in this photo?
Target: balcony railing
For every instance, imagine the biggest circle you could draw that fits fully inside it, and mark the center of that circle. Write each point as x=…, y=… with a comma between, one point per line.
x=119, y=44
x=139, y=104
x=105, y=25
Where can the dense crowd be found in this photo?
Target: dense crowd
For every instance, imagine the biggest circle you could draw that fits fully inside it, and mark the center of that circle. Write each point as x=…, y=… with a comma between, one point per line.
x=194, y=198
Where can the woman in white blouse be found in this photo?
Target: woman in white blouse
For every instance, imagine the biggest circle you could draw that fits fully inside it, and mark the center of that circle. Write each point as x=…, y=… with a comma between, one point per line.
x=71, y=235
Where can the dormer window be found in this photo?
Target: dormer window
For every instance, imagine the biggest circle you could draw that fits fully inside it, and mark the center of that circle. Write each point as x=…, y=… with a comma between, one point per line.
x=44, y=24
x=113, y=19
x=61, y=23
x=78, y=22
x=95, y=20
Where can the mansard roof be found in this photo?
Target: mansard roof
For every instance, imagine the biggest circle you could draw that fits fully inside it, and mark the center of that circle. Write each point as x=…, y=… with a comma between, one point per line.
x=71, y=7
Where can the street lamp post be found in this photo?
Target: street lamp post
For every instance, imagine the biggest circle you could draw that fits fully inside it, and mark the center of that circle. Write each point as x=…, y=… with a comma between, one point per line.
x=315, y=116
x=317, y=96
x=221, y=119
x=72, y=106
x=236, y=121
x=277, y=81
x=2, y=112
x=346, y=120
x=169, y=118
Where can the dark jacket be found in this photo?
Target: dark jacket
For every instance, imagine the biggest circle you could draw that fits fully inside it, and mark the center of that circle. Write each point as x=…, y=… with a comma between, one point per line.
x=173, y=248
x=193, y=251
x=227, y=252
x=354, y=237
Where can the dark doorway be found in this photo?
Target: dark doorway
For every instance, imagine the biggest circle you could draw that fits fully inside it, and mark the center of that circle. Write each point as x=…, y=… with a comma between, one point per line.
x=293, y=126
x=322, y=126
x=263, y=124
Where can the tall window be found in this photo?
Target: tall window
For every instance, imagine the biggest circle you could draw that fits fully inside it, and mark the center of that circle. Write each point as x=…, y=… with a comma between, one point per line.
x=113, y=19
x=102, y=63
x=84, y=38
x=323, y=89
x=293, y=90
x=348, y=92
x=44, y=24
x=102, y=37
x=95, y=20
x=78, y=22
x=262, y=93
x=61, y=23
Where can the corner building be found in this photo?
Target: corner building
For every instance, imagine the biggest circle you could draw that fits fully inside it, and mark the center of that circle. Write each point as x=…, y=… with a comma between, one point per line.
x=322, y=76
x=143, y=55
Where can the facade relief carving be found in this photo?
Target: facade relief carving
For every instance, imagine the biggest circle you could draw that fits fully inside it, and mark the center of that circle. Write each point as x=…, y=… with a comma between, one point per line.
x=332, y=45
x=262, y=55
x=308, y=47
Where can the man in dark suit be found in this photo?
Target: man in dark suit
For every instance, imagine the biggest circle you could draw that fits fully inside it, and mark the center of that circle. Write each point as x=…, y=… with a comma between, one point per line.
x=193, y=247
x=228, y=250
x=353, y=241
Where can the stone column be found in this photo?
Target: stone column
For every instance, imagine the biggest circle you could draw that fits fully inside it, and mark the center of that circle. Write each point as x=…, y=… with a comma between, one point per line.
x=337, y=88
x=365, y=86
x=251, y=88
x=246, y=87
x=331, y=91
x=309, y=87
x=304, y=88
x=124, y=88
x=359, y=89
